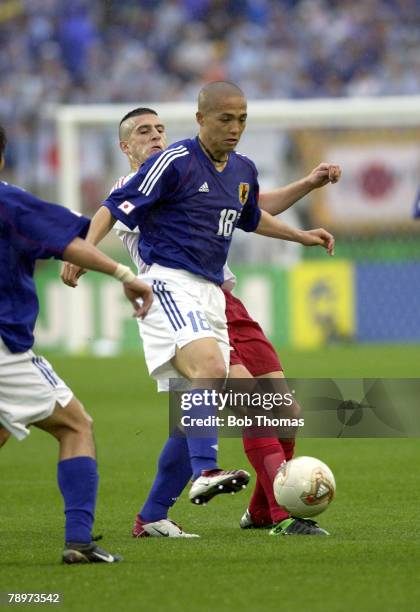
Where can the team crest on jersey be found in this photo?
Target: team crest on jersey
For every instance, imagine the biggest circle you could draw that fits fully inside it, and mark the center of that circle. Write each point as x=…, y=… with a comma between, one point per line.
x=243, y=192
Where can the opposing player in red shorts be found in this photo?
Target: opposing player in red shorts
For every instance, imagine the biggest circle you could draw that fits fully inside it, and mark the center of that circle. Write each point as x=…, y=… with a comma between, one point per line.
x=253, y=355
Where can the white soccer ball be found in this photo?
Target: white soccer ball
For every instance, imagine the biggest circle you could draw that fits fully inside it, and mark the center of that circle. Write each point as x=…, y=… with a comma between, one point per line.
x=304, y=486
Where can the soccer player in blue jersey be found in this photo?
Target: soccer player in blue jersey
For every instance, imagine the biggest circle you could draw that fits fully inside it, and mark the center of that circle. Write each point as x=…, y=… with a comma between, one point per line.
x=199, y=159
x=31, y=393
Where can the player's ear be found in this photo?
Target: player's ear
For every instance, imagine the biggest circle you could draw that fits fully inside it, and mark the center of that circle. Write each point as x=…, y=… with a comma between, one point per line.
x=200, y=118
x=1, y=162
x=124, y=146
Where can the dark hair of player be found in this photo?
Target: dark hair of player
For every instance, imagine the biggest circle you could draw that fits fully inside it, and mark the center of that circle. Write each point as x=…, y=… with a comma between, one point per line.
x=3, y=141
x=136, y=112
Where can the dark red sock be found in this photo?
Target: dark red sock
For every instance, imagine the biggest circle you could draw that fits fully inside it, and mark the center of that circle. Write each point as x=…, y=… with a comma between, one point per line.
x=288, y=447
x=266, y=456
x=258, y=506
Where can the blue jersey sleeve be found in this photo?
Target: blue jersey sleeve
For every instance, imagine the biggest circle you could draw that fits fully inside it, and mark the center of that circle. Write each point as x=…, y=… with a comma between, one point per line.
x=37, y=228
x=157, y=179
x=251, y=213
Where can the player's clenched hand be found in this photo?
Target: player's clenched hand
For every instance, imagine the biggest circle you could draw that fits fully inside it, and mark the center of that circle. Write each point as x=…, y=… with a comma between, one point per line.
x=319, y=237
x=70, y=273
x=137, y=290
x=324, y=174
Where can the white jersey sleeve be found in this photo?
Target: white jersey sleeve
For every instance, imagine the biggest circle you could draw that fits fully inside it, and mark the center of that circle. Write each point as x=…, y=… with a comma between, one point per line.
x=229, y=279
x=120, y=227
x=129, y=237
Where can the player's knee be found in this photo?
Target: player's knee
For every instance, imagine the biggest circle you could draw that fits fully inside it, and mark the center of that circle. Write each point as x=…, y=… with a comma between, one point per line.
x=79, y=420
x=85, y=422
x=214, y=367
x=211, y=373
x=222, y=370
x=216, y=370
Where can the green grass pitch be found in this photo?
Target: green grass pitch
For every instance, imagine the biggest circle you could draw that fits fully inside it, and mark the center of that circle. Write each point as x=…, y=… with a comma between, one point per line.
x=371, y=561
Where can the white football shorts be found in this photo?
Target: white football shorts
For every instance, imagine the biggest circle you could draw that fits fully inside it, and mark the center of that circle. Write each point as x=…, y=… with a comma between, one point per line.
x=185, y=308
x=29, y=390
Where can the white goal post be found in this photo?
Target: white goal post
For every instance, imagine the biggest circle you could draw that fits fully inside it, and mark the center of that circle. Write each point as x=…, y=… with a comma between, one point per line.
x=365, y=112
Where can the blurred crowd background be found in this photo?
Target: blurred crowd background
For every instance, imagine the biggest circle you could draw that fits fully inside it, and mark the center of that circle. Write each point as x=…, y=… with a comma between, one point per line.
x=92, y=51
x=143, y=51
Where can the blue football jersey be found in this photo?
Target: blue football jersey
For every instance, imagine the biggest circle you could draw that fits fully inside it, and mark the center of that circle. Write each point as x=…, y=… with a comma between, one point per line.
x=186, y=210
x=30, y=229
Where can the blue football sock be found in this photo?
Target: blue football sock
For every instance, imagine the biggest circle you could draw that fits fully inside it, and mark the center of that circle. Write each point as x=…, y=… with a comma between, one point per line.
x=202, y=439
x=78, y=482
x=174, y=472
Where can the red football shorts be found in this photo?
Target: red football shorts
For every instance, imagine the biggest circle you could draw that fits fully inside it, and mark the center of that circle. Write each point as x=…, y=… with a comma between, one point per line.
x=249, y=346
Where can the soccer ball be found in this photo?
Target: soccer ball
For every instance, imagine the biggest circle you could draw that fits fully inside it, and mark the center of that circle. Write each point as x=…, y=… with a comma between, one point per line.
x=304, y=486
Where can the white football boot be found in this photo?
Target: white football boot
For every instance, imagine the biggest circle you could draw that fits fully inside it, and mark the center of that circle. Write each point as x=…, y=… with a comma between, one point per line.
x=216, y=482
x=164, y=528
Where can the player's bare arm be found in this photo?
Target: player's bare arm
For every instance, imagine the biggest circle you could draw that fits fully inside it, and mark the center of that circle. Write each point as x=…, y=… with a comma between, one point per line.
x=279, y=200
x=84, y=255
x=101, y=224
x=274, y=228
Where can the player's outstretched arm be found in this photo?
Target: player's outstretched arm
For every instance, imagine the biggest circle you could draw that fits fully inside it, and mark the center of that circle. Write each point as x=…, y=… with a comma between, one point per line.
x=85, y=255
x=279, y=200
x=274, y=228
x=101, y=224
